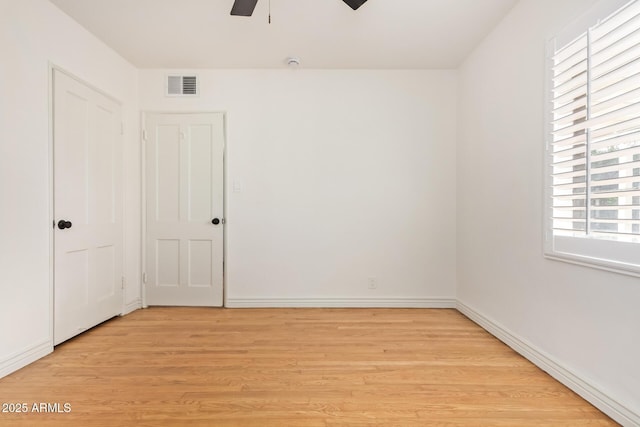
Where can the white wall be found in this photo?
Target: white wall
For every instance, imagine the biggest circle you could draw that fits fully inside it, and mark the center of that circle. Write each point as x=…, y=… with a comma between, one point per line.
x=584, y=319
x=34, y=33
x=344, y=175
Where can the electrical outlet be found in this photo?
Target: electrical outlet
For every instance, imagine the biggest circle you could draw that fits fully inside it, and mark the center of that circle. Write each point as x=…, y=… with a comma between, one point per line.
x=373, y=283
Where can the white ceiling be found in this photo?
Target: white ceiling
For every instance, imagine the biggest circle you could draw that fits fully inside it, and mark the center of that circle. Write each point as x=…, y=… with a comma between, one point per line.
x=387, y=34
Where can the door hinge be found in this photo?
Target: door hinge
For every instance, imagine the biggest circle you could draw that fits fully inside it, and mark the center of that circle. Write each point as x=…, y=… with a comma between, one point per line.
x=144, y=134
x=123, y=281
x=144, y=277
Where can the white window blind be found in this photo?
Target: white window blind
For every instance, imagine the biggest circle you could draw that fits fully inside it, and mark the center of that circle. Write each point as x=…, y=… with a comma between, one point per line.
x=595, y=139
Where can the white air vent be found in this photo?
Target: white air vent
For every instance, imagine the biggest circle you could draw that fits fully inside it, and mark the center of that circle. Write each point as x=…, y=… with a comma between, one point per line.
x=182, y=85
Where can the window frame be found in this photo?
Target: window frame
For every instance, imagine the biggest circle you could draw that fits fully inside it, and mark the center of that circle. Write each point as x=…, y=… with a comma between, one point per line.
x=600, y=253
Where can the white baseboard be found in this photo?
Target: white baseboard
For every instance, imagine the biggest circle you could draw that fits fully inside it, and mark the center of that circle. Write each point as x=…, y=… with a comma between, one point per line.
x=589, y=392
x=132, y=306
x=341, y=302
x=25, y=357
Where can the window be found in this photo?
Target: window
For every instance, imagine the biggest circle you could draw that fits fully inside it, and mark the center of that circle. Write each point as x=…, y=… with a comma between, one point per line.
x=593, y=149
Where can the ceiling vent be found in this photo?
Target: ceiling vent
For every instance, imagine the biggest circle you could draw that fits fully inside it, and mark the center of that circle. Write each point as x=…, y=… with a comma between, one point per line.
x=182, y=85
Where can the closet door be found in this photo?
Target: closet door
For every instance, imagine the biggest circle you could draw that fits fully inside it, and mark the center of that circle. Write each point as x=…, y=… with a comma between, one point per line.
x=88, y=236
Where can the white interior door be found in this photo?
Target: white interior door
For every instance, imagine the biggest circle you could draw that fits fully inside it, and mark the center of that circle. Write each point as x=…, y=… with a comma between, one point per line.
x=88, y=236
x=184, y=208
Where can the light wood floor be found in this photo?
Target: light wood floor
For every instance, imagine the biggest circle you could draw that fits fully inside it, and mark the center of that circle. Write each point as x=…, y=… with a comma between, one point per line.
x=292, y=367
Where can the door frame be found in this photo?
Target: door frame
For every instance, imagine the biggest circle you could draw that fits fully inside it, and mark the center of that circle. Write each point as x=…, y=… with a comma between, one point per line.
x=143, y=192
x=52, y=67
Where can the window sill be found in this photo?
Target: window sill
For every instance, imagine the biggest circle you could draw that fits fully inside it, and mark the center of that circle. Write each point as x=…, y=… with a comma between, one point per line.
x=599, y=264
